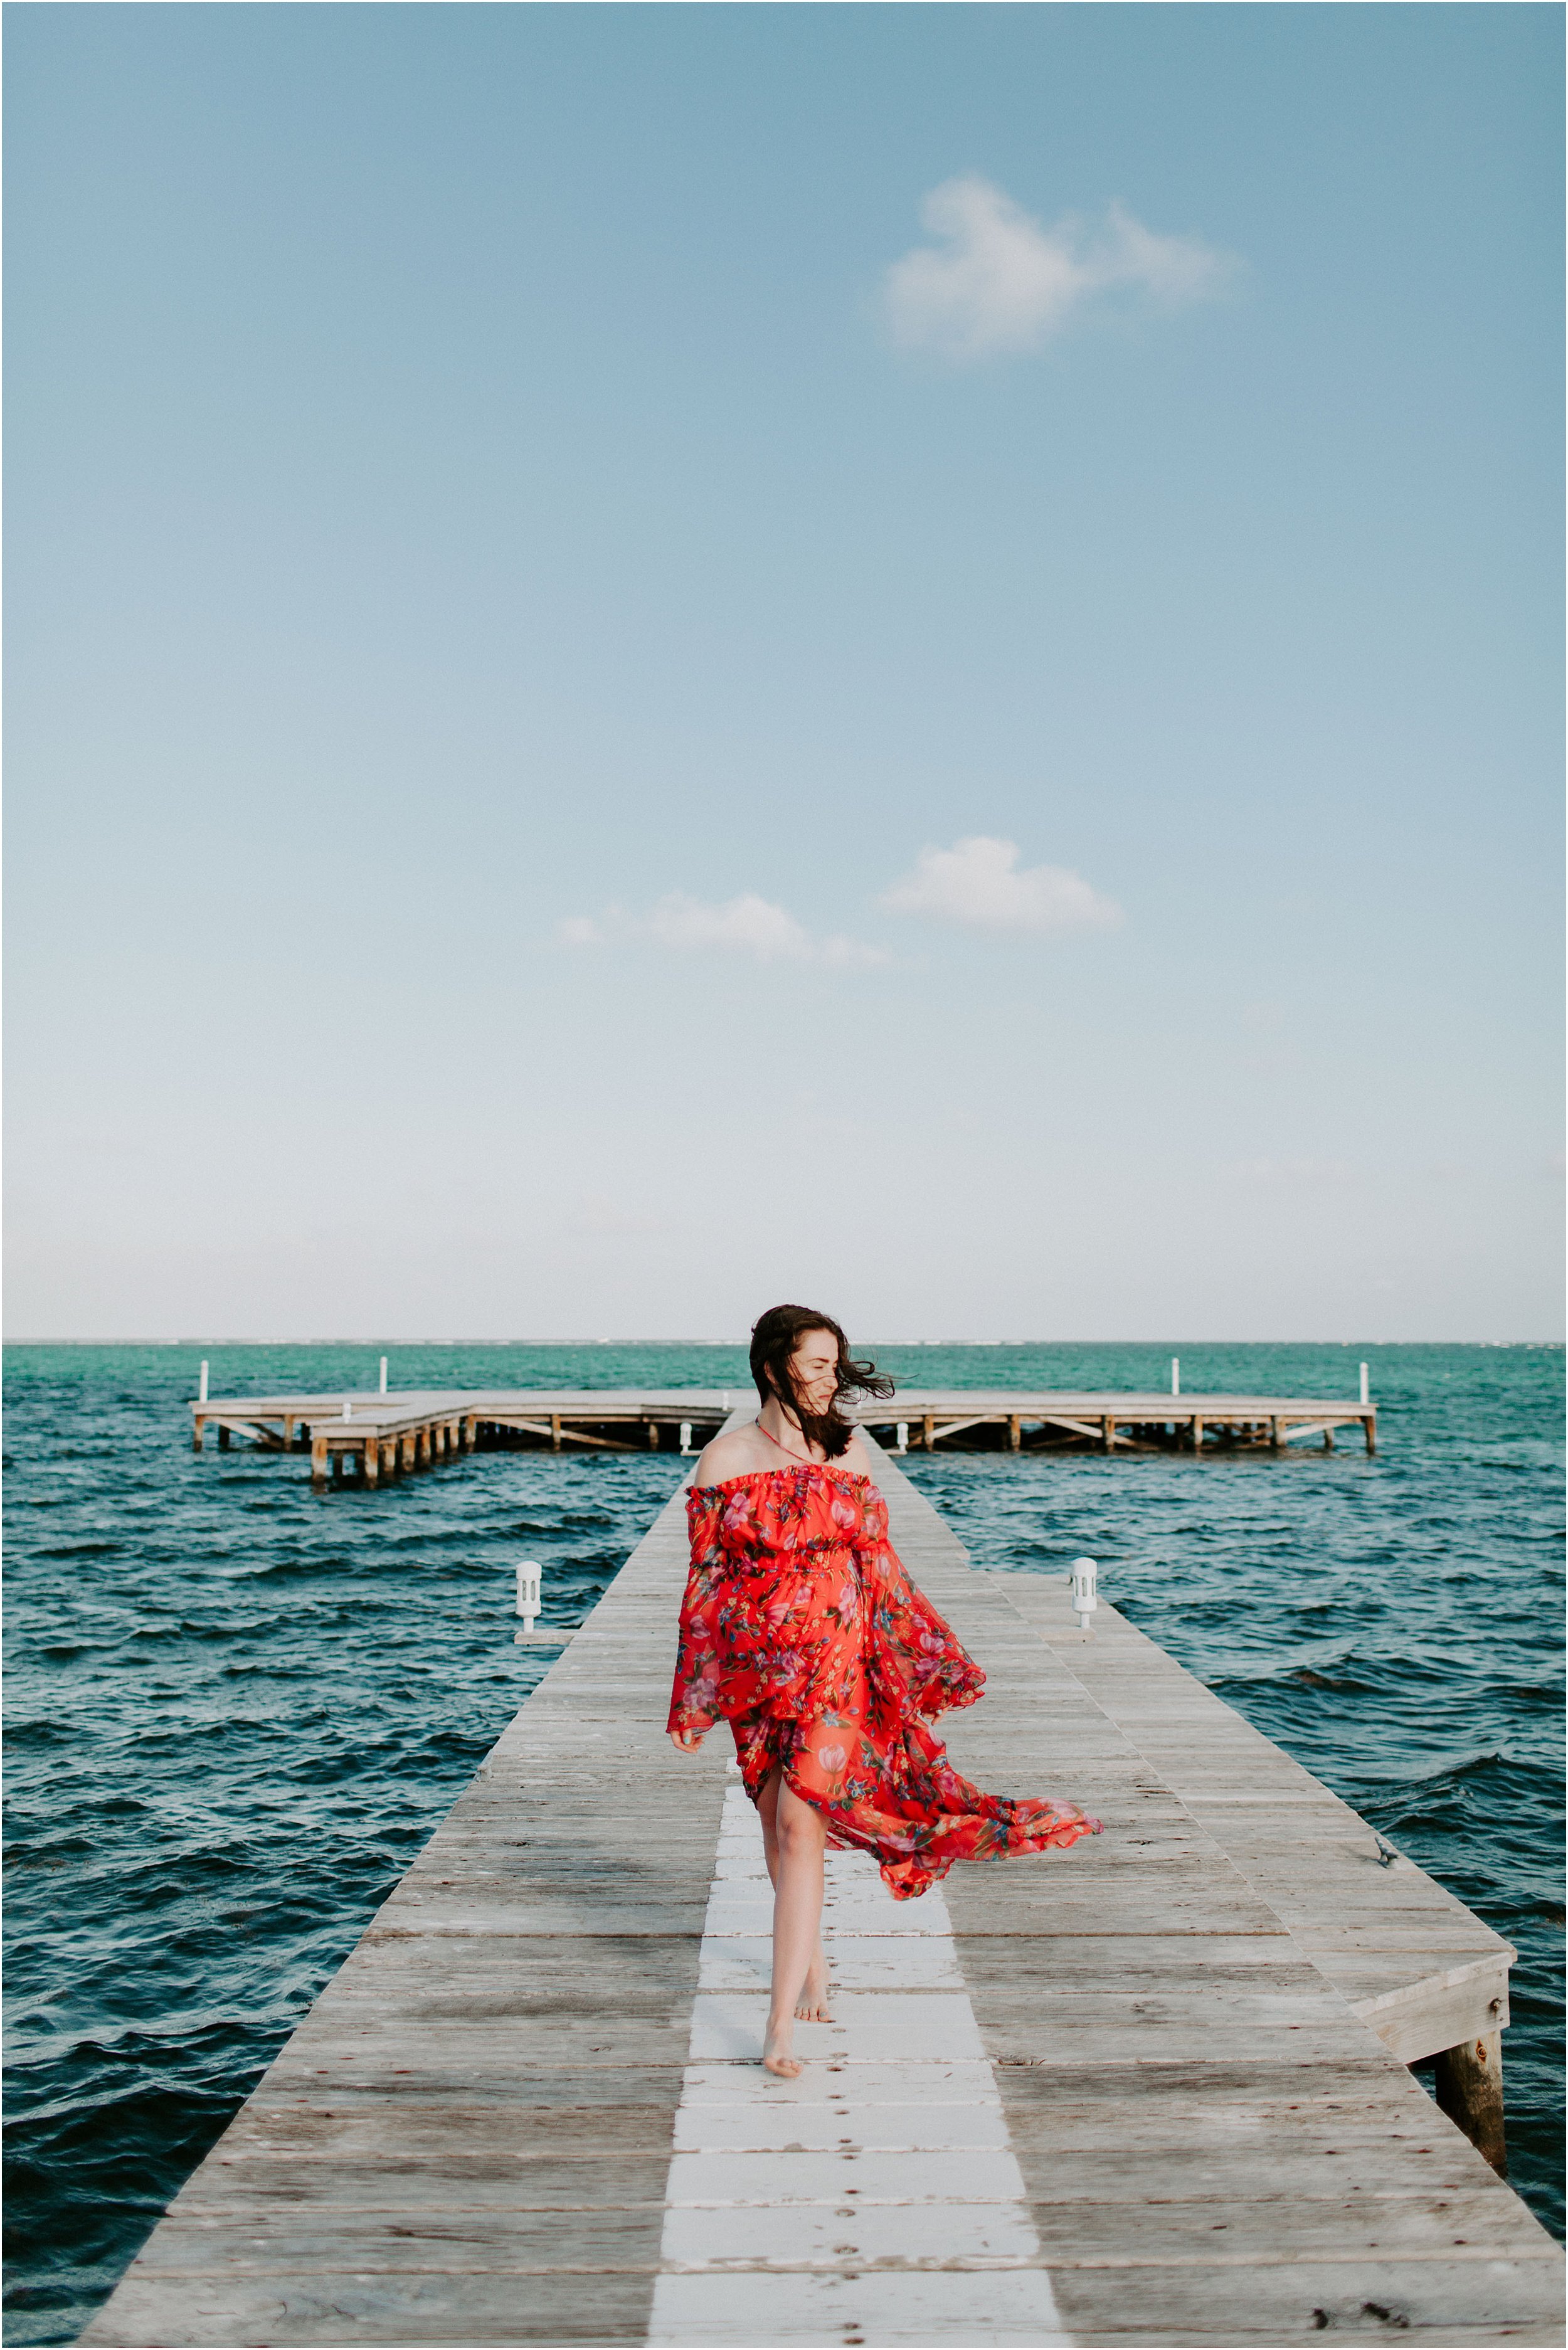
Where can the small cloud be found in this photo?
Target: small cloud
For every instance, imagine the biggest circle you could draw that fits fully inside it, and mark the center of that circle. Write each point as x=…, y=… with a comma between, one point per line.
x=997, y=280
x=577, y=930
x=977, y=883
x=744, y=925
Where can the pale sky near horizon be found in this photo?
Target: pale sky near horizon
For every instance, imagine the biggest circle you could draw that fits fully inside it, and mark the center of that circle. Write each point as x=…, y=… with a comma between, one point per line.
x=905, y=656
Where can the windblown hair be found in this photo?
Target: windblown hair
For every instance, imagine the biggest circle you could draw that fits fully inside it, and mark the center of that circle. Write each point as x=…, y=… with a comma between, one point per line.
x=774, y=1337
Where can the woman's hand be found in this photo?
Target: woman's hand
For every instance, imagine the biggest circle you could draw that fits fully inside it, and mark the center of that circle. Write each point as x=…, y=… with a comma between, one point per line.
x=687, y=1741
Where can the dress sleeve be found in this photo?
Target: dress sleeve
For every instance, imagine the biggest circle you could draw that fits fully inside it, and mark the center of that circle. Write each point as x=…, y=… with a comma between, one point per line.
x=693, y=1700
x=934, y=1670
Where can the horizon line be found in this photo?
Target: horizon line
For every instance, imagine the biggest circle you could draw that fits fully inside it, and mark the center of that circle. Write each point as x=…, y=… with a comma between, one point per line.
x=741, y=1343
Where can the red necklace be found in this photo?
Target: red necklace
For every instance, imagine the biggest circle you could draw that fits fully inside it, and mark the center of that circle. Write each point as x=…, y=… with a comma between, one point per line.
x=804, y=1461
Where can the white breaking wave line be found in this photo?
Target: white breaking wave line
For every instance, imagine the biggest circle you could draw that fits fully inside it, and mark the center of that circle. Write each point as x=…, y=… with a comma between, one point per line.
x=875, y=2199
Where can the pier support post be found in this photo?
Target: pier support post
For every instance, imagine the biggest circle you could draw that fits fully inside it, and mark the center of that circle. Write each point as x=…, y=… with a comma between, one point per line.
x=320, y=1466
x=470, y=1434
x=1370, y=1425
x=1468, y=2087
x=408, y=1452
x=370, y=1462
x=1014, y=1433
x=1197, y=1434
x=288, y=1431
x=1107, y=1435
x=653, y=1436
x=423, y=1440
x=198, y=1433
x=1277, y=1433
x=555, y=1431
x=930, y=1428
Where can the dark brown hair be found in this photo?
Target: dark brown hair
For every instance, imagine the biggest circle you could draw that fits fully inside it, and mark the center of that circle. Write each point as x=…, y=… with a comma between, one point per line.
x=774, y=1337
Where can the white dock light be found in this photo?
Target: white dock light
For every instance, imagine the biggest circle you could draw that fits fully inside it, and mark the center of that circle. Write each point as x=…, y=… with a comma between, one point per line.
x=1365, y=1385
x=201, y=1395
x=528, y=1581
x=348, y=1411
x=903, y=1436
x=1084, y=1600
x=1176, y=1375
x=685, y=1438
x=383, y=1375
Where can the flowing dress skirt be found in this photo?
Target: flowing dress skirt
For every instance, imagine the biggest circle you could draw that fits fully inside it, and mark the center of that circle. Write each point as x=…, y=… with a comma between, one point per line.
x=801, y=1627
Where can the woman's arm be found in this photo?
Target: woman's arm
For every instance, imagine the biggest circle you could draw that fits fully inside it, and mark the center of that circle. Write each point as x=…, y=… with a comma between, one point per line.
x=694, y=1700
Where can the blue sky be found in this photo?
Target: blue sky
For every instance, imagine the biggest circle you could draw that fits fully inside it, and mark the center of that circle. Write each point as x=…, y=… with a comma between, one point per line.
x=537, y=534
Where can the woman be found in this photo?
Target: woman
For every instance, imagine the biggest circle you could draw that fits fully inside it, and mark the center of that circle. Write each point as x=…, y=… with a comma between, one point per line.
x=801, y=1628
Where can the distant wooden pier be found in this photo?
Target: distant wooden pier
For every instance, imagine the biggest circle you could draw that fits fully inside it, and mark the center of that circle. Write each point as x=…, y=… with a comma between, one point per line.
x=370, y=1437
x=1151, y=2092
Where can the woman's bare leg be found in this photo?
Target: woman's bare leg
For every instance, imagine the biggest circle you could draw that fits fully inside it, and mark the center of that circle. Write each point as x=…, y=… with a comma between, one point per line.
x=802, y=1839
x=812, y=2005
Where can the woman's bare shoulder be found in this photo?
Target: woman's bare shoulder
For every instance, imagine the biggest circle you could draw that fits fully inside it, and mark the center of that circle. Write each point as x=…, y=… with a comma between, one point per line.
x=735, y=1455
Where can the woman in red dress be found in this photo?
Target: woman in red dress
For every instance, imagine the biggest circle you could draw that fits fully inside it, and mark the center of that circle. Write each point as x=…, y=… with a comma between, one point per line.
x=802, y=1629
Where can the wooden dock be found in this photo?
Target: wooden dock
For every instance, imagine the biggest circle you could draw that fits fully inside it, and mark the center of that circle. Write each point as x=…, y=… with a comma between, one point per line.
x=1151, y=2092
x=367, y=1437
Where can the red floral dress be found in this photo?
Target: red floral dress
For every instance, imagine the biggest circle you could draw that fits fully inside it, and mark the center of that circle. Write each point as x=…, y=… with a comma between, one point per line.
x=801, y=1627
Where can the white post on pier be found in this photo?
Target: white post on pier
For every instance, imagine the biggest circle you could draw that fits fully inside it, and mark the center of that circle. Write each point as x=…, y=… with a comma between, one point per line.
x=903, y=1436
x=383, y=1375
x=685, y=1439
x=201, y=1392
x=348, y=1411
x=1084, y=1601
x=528, y=1582
x=530, y=1588
x=1365, y=1385
x=1176, y=1375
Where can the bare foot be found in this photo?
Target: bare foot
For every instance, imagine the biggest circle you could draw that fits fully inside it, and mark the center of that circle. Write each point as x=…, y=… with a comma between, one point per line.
x=778, y=2056
x=812, y=2005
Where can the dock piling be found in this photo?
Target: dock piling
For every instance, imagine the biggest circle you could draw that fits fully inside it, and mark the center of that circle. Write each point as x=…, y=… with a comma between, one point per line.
x=1468, y=2088
x=1176, y=1375
x=383, y=1375
x=1365, y=1385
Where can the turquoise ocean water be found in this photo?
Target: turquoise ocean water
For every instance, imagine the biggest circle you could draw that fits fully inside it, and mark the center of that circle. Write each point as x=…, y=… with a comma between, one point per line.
x=236, y=1708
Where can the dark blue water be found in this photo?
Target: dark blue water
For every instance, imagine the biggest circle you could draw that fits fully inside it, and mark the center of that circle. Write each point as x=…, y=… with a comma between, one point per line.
x=236, y=1708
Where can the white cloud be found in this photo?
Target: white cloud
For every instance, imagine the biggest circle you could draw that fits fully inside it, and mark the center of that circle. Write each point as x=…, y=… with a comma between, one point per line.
x=996, y=280
x=744, y=925
x=977, y=883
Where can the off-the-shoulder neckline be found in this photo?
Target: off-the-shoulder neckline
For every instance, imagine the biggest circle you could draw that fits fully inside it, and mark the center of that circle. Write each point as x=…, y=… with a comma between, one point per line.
x=814, y=1468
